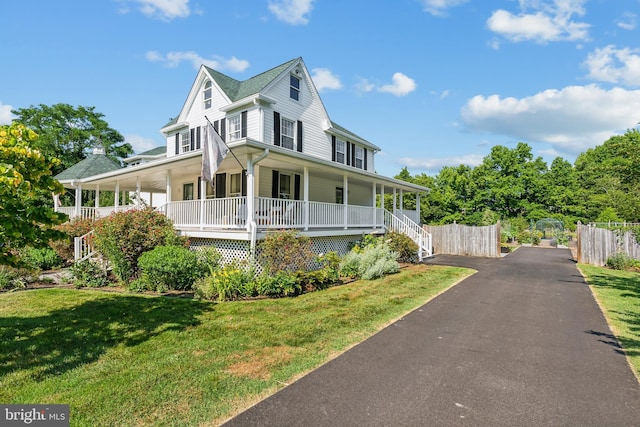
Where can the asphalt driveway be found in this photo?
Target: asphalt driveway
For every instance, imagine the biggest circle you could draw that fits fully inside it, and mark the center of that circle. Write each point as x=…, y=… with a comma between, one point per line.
x=520, y=343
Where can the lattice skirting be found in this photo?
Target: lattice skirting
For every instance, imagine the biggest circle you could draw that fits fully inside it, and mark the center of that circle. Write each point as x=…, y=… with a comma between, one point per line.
x=238, y=250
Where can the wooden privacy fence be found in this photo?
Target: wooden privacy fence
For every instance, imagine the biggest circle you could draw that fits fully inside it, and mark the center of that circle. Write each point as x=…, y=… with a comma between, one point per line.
x=456, y=239
x=596, y=244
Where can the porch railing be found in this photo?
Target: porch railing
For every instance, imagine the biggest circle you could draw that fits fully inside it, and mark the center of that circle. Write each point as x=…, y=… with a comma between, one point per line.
x=405, y=225
x=94, y=213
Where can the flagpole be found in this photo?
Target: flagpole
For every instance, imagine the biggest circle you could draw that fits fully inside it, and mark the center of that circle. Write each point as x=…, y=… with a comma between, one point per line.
x=225, y=143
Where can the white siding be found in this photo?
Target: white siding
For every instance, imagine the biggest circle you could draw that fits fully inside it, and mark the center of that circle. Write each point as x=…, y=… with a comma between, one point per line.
x=309, y=110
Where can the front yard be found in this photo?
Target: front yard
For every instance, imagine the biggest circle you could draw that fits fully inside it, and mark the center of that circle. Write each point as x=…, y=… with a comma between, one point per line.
x=129, y=359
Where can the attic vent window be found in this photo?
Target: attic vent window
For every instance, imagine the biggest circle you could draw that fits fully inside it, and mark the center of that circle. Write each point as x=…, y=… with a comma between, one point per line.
x=294, y=88
x=206, y=94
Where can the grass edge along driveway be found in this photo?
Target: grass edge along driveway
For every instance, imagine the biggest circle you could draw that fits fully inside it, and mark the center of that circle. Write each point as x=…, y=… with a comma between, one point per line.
x=128, y=359
x=618, y=295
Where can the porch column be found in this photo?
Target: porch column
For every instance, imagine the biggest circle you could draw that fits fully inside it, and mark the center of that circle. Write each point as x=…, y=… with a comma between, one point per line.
x=382, y=204
x=345, y=200
x=168, y=186
x=116, y=196
x=306, y=198
x=97, y=202
x=418, y=208
x=56, y=202
x=251, y=189
x=394, y=200
x=203, y=196
x=401, y=200
x=79, y=201
x=373, y=204
x=137, y=191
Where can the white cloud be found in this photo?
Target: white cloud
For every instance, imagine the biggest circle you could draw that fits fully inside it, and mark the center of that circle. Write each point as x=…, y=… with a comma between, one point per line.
x=140, y=143
x=570, y=120
x=364, y=85
x=439, y=7
x=401, y=85
x=324, y=79
x=6, y=117
x=165, y=10
x=549, y=20
x=628, y=21
x=435, y=164
x=294, y=12
x=619, y=66
x=173, y=59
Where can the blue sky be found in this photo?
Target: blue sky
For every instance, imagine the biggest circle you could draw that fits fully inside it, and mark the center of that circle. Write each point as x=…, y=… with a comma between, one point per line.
x=432, y=82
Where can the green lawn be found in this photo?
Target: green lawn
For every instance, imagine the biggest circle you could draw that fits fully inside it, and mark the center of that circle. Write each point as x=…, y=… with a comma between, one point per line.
x=618, y=293
x=126, y=359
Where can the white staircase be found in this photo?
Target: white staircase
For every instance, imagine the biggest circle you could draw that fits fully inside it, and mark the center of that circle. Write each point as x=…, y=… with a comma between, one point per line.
x=403, y=224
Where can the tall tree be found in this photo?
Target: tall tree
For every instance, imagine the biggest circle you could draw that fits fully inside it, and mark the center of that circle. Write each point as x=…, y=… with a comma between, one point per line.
x=25, y=178
x=70, y=133
x=610, y=177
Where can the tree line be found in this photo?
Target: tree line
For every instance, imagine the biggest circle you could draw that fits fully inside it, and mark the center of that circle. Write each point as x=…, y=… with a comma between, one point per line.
x=512, y=185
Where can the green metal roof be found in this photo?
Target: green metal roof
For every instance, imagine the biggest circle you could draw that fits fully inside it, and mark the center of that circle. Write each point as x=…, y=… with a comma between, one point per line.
x=154, y=151
x=236, y=90
x=93, y=164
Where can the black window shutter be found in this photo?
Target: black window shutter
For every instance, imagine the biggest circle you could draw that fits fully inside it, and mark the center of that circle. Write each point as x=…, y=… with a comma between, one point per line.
x=276, y=128
x=244, y=183
x=296, y=187
x=215, y=126
x=199, y=189
x=333, y=148
x=299, y=145
x=192, y=141
x=348, y=154
x=275, y=185
x=221, y=185
x=223, y=129
x=243, y=124
x=353, y=154
x=198, y=138
x=177, y=143
x=365, y=159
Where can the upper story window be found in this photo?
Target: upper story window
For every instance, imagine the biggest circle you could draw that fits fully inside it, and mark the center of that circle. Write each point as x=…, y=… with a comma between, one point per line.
x=341, y=149
x=287, y=133
x=359, y=160
x=235, y=128
x=206, y=94
x=294, y=88
x=185, y=141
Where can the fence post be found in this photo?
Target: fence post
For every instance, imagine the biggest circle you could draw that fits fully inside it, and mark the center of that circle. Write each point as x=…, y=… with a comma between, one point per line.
x=578, y=241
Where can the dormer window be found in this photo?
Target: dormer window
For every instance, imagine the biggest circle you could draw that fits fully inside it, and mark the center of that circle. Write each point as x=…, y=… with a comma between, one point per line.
x=294, y=88
x=206, y=94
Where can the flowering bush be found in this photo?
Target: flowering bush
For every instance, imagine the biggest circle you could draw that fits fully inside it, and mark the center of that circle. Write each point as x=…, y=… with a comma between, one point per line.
x=123, y=237
x=285, y=251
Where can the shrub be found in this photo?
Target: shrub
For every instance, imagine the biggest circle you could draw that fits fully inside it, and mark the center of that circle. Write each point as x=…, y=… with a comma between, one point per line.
x=285, y=250
x=402, y=244
x=88, y=274
x=280, y=284
x=370, y=263
x=11, y=279
x=39, y=259
x=622, y=261
x=123, y=237
x=228, y=283
x=529, y=237
x=171, y=267
x=74, y=228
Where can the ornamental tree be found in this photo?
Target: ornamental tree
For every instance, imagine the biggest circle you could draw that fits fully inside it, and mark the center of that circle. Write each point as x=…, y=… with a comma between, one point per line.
x=25, y=180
